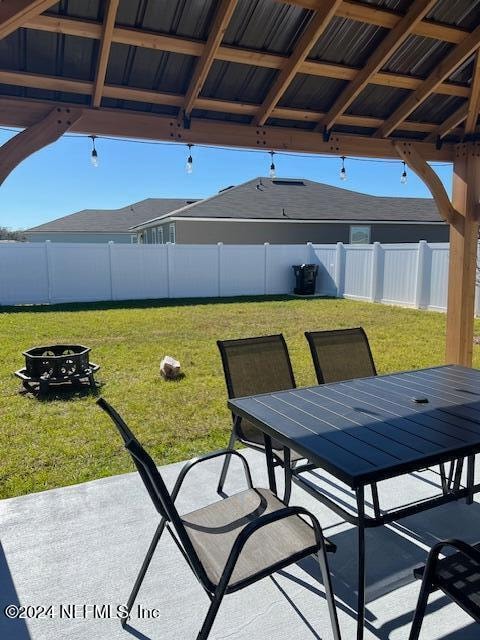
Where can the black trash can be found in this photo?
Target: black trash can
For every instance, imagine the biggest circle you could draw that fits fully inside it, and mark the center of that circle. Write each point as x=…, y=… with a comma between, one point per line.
x=306, y=278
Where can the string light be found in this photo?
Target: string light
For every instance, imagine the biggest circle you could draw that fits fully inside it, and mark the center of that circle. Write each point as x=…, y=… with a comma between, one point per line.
x=94, y=155
x=403, y=178
x=189, y=165
x=272, y=172
x=343, y=172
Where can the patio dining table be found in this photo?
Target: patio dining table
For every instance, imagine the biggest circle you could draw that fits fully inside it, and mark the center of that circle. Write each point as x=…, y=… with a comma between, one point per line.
x=367, y=430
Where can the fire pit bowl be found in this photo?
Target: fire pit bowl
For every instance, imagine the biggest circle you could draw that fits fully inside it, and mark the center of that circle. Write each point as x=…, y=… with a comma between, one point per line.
x=57, y=364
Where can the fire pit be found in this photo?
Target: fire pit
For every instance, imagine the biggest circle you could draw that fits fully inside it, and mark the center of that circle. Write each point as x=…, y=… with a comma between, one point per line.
x=57, y=364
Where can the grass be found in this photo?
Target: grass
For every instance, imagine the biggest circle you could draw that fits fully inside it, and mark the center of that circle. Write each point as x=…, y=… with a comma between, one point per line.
x=54, y=443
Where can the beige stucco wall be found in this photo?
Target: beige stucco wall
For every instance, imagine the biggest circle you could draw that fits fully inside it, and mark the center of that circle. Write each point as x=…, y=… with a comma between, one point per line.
x=192, y=232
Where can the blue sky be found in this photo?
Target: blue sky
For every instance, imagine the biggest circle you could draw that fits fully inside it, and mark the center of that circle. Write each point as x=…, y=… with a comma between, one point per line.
x=59, y=179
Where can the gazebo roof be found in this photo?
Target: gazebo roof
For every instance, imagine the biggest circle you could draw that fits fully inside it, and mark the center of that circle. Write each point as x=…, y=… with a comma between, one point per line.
x=370, y=71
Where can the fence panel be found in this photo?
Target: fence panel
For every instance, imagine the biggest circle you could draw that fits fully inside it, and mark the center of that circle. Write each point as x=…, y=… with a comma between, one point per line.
x=403, y=274
x=358, y=263
x=399, y=267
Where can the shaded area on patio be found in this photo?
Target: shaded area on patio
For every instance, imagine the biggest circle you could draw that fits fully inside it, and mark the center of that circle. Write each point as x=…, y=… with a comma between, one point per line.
x=82, y=545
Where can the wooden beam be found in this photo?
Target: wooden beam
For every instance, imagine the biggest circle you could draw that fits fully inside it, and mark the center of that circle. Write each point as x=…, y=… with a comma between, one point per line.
x=317, y=25
x=185, y=46
x=393, y=40
x=443, y=70
x=45, y=131
x=104, y=53
x=474, y=100
x=361, y=12
x=15, y=13
x=128, y=124
x=204, y=63
x=448, y=126
x=120, y=92
x=463, y=256
x=414, y=159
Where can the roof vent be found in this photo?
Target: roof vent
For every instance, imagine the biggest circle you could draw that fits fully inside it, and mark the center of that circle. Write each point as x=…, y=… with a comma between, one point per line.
x=292, y=182
x=226, y=188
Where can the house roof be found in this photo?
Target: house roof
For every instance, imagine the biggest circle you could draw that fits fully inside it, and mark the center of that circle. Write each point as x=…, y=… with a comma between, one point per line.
x=111, y=220
x=302, y=199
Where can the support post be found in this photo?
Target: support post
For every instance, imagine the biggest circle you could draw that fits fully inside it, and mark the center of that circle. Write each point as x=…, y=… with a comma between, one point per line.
x=463, y=255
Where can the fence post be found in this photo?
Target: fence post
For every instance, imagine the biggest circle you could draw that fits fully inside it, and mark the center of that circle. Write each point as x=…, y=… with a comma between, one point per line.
x=339, y=269
x=377, y=247
x=266, y=246
x=48, y=259
x=170, y=265
x=420, y=280
x=110, y=249
x=219, y=268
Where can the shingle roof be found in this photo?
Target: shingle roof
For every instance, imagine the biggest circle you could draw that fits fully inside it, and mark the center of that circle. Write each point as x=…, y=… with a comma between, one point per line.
x=112, y=220
x=301, y=199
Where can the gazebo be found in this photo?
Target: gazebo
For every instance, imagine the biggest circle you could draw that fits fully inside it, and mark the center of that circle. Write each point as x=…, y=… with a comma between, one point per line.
x=380, y=78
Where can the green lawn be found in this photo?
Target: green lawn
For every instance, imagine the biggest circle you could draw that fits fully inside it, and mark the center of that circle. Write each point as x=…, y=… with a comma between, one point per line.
x=54, y=443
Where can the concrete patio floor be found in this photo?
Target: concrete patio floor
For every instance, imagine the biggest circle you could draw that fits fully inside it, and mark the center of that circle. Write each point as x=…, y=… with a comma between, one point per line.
x=83, y=545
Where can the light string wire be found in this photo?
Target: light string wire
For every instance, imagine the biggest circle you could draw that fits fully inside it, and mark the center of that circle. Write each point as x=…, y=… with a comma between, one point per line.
x=285, y=154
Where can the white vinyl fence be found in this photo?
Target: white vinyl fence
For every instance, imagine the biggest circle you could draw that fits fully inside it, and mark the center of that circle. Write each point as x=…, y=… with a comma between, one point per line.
x=413, y=275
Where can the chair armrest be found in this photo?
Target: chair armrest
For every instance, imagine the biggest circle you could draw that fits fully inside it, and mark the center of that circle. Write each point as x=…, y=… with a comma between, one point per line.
x=257, y=524
x=210, y=456
x=462, y=547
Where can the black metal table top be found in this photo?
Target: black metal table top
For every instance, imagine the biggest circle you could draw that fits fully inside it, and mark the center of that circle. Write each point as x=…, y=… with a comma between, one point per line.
x=370, y=429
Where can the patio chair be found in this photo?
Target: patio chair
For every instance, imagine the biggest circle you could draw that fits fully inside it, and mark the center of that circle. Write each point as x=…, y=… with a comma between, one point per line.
x=251, y=366
x=457, y=575
x=231, y=543
x=345, y=354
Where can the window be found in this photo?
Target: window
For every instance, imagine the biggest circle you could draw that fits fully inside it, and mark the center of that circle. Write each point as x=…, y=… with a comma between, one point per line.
x=160, y=239
x=171, y=233
x=360, y=234
x=133, y=238
x=154, y=236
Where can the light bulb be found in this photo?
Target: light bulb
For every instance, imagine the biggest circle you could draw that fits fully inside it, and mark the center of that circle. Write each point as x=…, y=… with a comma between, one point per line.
x=272, y=173
x=343, y=172
x=403, y=178
x=189, y=165
x=94, y=158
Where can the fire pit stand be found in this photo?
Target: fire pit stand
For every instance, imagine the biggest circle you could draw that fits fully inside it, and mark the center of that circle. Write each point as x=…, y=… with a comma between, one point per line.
x=55, y=365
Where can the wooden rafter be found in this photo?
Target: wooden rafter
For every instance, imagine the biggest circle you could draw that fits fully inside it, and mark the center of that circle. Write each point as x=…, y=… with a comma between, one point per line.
x=204, y=63
x=410, y=154
x=316, y=26
x=85, y=87
x=474, y=100
x=15, y=13
x=448, y=126
x=393, y=40
x=45, y=131
x=443, y=70
x=104, y=53
x=129, y=124
x=186, y=46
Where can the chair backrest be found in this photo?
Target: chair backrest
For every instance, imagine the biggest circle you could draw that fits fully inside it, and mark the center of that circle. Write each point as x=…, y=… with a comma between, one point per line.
x=147, y=469
x=255, y=365
x=341, y=354
x=156, y=488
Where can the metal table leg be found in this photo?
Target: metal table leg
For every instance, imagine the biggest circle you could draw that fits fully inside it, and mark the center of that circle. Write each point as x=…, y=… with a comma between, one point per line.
x=270, y=464
x=360, y=493
x=470, y=478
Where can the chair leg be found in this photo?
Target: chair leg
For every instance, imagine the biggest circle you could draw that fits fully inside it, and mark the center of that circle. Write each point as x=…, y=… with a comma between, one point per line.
x=375, y=500
x=226, y=463
x=211, y=615
x=420, y=610
x=327, y=583
x=288, y=476
x=143, y=569
x=443, y=478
